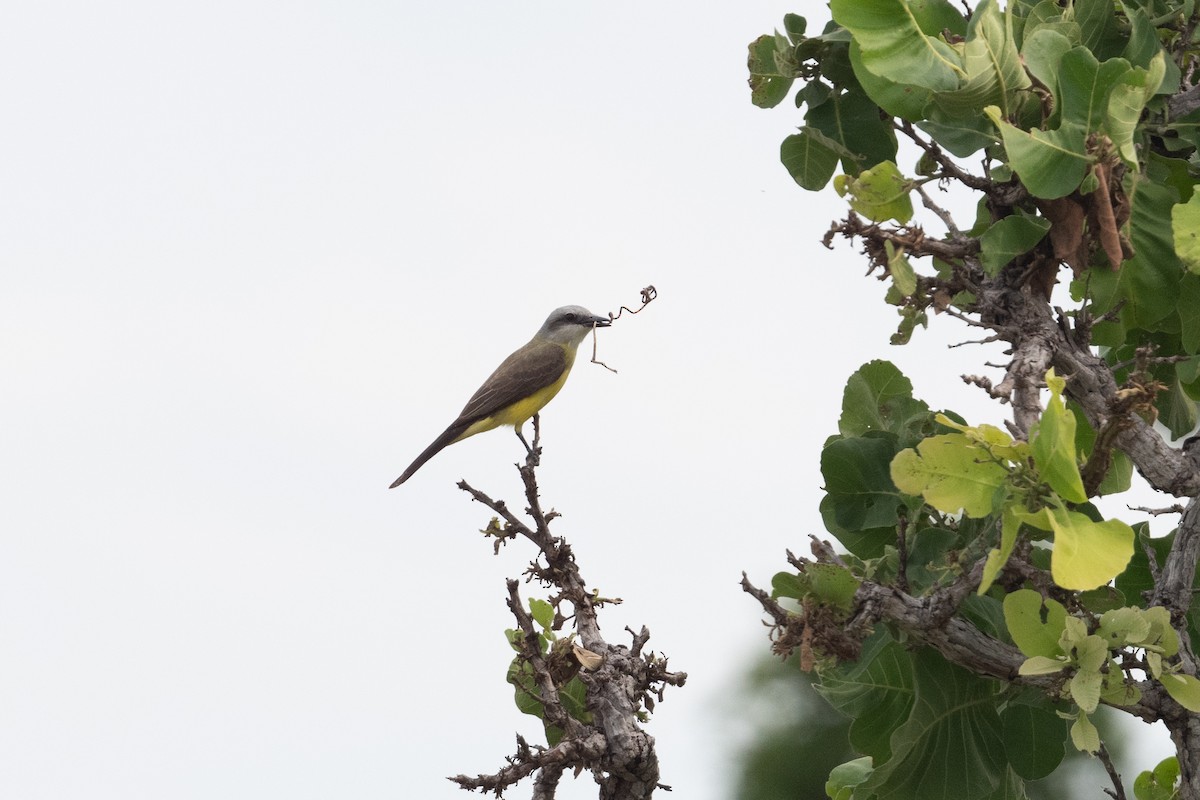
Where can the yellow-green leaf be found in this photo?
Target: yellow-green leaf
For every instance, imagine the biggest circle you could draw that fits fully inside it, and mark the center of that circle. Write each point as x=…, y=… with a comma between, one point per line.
x=1084, y=735
x=880, y=193
x=904, y=278
x=1184, y=688
x=1035, y=623
x=1085, y=689
x=951, y=473
x=1041, y=665
x=1086, y=554
x=1010, y=525
x=1053, y=441
x=1162, y=635
x=1185, y=221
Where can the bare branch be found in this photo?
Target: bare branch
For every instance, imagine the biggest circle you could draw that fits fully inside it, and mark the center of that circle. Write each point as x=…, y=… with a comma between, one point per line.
x=1173, y=590
x=1157, y=512
x=1118, y=790
x=986, y=385
x=944, y=162
x=941, y=213
x=1183, y=103
x=622, y=682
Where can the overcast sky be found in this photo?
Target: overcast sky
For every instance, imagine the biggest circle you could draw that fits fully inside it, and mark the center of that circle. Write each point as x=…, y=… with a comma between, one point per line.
x=256, y=256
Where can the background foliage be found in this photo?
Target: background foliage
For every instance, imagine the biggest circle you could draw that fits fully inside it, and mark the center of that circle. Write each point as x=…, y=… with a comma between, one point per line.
x=985, y=609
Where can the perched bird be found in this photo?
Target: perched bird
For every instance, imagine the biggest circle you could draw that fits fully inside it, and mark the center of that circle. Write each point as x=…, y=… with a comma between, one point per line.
x=522, y=384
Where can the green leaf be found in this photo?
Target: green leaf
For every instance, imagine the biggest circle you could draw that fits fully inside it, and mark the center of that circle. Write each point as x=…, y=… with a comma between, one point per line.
x=1149, y=282
x=1159, y=784
x=867, y=543
x=876, y=692
x=1008, y=238
x=844, y=777
x=829, y=584
x=985, y=613
x=1035, y=740
x=542, y=612
x=1136, y=578
x=573, y=696
x=951, y=744
x=859, y=492
x=1172, y=172
x=951, y=473
x=878, y=397
x=767, y=86
x=525, y=691
x=1051, y=163
x=810, y=158
x=788, y=584
x=963, y=136
x=1097, y=22
x=990, y=72
x=1185, y=225
x=1043, y=52
x=880, y=193
x=928, y=552
x=1119, y=476
x=832, y=584
x=1084, y=86
x=910, y=318
x=893, y=42
x=1034, y=624
x=896, y=98
x=1049, y=15
x=794, y=25
x=1185, y=690
x=1176, y=410
x=993, y=74
x=851, y=119
x=1189, y=311
x=1126, y=103
x=1053, y=441
x=1102, y=599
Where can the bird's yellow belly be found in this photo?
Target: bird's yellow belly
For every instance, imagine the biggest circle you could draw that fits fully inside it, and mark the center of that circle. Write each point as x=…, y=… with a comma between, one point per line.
x=518, y=412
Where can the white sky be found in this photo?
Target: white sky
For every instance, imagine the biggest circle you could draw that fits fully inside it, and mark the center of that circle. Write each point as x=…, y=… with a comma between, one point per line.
x=256, y=258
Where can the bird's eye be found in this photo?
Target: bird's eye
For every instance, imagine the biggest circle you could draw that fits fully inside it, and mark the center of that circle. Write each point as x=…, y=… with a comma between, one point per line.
x=570, y=317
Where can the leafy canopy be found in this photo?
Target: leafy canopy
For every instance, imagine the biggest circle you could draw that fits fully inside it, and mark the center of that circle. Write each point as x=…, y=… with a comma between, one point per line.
x=1081, y=117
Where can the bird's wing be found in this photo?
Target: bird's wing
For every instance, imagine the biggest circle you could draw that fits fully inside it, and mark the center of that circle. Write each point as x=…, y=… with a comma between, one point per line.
x=535, y=366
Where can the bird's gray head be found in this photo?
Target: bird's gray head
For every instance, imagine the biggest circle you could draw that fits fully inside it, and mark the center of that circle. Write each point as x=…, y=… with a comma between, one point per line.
x=570, y=324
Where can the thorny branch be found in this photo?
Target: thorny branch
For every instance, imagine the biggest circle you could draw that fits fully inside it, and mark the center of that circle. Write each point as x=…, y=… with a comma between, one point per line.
x=622, y=682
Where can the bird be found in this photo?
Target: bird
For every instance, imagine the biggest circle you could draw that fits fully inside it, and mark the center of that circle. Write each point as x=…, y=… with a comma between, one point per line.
x=522, y=384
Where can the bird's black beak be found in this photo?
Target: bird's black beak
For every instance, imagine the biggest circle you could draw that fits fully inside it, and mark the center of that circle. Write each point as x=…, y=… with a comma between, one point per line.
x=601, y=322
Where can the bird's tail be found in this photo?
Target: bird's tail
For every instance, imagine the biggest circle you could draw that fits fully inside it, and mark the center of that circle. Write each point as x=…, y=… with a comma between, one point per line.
x=449, y=436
